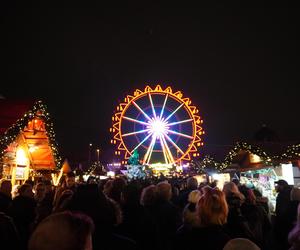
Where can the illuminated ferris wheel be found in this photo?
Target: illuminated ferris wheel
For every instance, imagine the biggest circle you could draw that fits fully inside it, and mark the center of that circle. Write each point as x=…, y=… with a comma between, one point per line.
x=160, y=124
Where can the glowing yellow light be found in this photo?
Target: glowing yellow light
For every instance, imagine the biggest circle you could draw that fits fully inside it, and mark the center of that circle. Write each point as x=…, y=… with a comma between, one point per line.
x=21, y=158
x=32, y=149
x=254, y=158
x=110, y=174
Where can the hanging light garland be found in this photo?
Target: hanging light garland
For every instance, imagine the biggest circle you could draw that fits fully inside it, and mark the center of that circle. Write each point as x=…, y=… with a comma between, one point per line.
x=38, y=110
x=243, y=146
x=210, y=163
x=292, y=151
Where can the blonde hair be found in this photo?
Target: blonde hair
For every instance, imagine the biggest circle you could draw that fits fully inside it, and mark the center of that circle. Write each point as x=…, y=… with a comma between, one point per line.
x=212, y=208
x=231, y=188
x=194, y=196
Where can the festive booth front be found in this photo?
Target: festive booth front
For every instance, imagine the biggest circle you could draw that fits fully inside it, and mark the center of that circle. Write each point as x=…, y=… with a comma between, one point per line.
x=260, y=165
x=27, y=141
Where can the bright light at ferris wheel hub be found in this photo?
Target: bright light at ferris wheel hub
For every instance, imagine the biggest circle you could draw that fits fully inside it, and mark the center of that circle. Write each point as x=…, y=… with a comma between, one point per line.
x=158, y=127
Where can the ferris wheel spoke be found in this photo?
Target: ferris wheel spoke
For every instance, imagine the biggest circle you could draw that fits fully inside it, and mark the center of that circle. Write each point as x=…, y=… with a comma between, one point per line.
x=174, y=112
x=141, y=143
x=152, y=106
x=150, y=149
x=169, y=154
x=135, y=120
x=180, y=134
x=142, y=111
x=163, y=149
x=162, y=110
x=137, y=132
x=174, y=144
x=179, y=122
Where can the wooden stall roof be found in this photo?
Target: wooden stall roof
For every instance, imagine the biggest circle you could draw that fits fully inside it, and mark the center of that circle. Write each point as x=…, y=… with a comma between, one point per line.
x=35, y=142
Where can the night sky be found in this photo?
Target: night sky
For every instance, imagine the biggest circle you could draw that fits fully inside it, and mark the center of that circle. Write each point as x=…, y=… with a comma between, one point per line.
x=238, y=65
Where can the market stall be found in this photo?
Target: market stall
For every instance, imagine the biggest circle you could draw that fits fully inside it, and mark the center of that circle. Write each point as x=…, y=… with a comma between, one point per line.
x=27, y=141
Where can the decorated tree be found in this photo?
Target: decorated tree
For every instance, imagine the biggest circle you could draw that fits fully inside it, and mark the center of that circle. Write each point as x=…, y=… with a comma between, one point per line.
x=134, y=158
x=134, y=169
x=135, y=172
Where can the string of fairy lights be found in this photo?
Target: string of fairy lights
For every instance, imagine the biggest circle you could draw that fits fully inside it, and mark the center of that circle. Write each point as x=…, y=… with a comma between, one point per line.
x=208, y=162
x=250, y=149
x=38, y=110
x=292, y=151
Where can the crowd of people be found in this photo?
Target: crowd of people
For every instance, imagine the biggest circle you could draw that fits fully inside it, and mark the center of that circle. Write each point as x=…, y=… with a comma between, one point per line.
x=157, y=213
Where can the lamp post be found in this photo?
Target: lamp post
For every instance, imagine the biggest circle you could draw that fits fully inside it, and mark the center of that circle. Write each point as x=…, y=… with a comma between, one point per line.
x=89, y=155
x=98, y=151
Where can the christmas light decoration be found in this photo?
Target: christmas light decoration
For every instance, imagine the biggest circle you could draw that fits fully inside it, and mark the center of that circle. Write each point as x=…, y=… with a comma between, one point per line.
x=39, y=110
x=243, y=146
x=208, y=163
x=292, y=152
x=160, y=123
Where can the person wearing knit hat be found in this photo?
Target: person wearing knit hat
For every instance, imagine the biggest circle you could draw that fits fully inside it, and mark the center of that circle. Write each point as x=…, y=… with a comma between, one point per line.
x=189, y=212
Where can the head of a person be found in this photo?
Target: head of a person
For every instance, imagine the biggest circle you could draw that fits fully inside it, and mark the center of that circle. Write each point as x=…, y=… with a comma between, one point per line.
x=117, y=188
x=30, y=182
x=5, y=187
x=63, y=231
x=39, y=191
x=63, y=200
x=229, y=188
x=192, y=183
x=48, y=186
x=15, y=191
x=194, y=196
x=90, y=200
x=131, y=194
x=280, y=185
x=148, y=196
x=164, y=191
x=295, y=194
x=25, y=190
x=236, y=181
x=70, y=179
x=248, y=194
x=212, y=208
x=107, y=187
x=190, y=213
x=240, y=243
